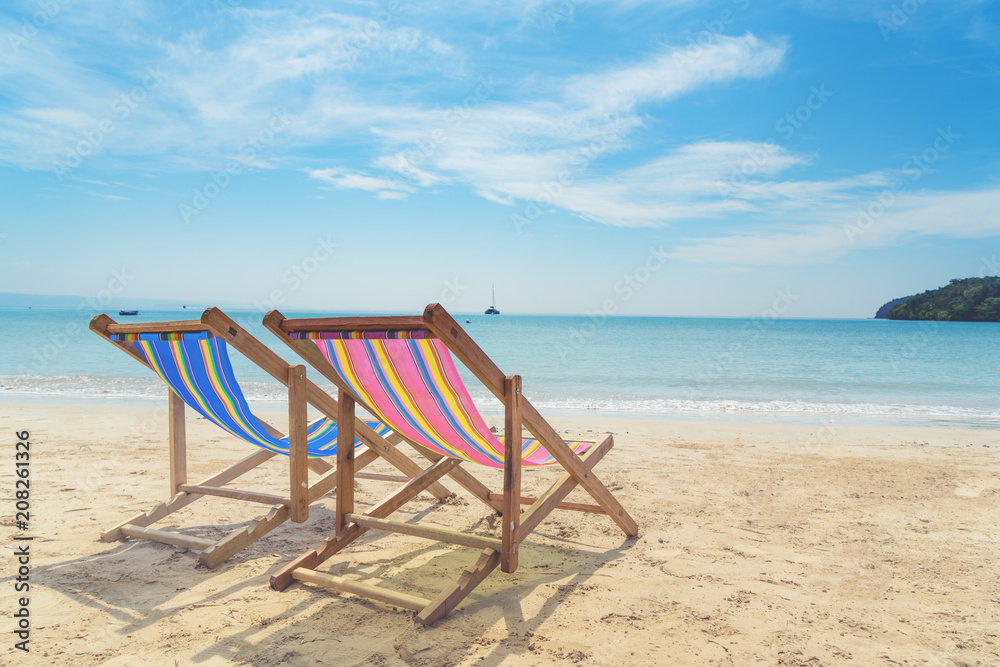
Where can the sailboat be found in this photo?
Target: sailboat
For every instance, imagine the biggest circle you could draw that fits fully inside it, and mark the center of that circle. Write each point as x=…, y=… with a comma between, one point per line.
x=492, y=310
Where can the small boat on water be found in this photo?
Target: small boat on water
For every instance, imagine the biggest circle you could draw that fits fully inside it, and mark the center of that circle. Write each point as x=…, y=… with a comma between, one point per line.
x=492, y=310
x=128, y=312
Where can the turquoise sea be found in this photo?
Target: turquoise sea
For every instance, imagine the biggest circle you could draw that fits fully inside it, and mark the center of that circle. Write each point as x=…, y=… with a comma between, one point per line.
x=817, y=371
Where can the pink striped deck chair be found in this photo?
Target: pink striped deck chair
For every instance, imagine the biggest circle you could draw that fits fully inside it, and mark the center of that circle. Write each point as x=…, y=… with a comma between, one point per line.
x=401, y=370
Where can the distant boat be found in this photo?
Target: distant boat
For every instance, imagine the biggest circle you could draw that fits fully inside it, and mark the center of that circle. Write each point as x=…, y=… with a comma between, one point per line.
x=492, y=310
x=128, y=312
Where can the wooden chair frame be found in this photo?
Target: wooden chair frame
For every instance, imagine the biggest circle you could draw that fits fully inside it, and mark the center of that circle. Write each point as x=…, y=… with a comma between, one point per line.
x=518, y=413
x=295, y=506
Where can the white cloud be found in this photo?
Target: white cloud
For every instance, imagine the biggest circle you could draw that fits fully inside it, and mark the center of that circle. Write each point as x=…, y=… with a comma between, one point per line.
x=678, y=70
x=512, y=152
x=104, y=195
x=344, y=179
x=967, y=215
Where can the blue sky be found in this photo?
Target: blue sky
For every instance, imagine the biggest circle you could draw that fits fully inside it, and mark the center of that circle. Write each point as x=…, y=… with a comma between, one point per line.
x=668, y=158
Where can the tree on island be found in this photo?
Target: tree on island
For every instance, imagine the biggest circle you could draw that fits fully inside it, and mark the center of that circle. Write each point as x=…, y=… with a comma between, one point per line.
x=961, y=300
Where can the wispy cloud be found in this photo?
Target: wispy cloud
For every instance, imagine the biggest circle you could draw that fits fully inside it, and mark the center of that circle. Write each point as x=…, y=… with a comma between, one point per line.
x=344, y=179
x=966, y=215
x=511, y=151
x=105, y=195
x=676, y=71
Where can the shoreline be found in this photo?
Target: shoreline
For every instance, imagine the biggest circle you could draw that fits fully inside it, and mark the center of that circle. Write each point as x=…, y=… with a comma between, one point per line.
x=812, y=418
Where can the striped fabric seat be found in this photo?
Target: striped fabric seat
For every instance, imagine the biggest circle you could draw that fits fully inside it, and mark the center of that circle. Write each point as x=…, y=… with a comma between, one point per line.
x=411, y=384
x=197, y=368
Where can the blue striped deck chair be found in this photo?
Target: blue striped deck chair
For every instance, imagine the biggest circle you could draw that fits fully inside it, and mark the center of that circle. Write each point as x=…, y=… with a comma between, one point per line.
x=192, y=358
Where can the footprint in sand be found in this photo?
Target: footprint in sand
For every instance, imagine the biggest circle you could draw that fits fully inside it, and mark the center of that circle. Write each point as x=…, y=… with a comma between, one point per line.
x=978, y=487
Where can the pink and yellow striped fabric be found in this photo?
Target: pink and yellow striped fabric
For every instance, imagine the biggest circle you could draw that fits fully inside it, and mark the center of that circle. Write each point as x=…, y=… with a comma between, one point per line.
x=413, y=387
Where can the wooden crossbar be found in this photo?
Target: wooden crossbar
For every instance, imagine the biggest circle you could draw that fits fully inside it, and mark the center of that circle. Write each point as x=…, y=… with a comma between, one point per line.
x=176, y=539
x=236, y=494
x=574, y=507
x=403, y=323
x=380, y=477
x=364, y=590
x=180, y=326
x=428, y=532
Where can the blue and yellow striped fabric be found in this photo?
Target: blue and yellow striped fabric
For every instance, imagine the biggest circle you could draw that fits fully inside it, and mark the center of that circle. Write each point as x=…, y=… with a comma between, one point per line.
x=197, y=368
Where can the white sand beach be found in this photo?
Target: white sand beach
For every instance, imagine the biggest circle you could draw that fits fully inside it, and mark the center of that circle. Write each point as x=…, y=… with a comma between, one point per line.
x=759, y=545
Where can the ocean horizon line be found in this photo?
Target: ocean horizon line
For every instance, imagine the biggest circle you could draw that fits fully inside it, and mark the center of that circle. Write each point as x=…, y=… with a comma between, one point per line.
x=341, y=312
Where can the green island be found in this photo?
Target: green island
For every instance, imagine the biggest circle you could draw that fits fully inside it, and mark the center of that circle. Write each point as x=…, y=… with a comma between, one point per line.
x=961, y=300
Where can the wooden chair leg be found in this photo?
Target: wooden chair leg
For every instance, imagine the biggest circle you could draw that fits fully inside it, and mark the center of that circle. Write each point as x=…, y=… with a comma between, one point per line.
x=243, y=537
x=510, y=533
x=283, y=578
x=556, y=493
x=450, y=597
x=177, y=440
x=298, y=455
x=345, y=460
x=183, y=499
